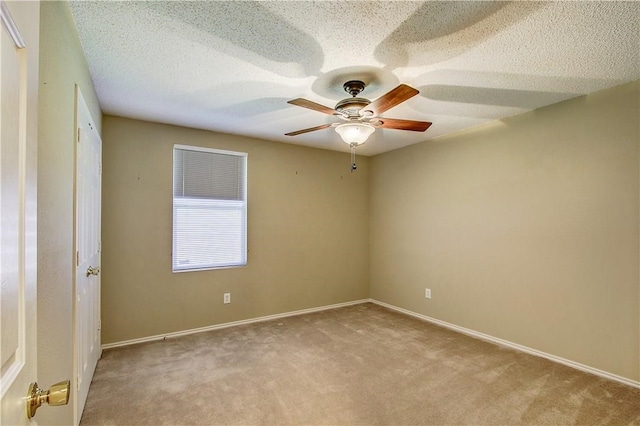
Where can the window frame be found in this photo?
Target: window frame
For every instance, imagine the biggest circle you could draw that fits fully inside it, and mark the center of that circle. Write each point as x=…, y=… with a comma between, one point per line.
x=236, y=205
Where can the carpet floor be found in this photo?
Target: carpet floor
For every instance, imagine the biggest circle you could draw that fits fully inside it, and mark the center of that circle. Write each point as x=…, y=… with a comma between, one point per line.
x=358, y=365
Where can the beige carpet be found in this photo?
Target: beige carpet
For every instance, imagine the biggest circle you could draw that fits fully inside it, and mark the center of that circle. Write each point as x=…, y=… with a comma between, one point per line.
x=359, y=365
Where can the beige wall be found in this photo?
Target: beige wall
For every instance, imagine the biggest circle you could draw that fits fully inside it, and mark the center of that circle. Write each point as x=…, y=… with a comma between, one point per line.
x=526, y=229
x=62, y=65
x=307, y=233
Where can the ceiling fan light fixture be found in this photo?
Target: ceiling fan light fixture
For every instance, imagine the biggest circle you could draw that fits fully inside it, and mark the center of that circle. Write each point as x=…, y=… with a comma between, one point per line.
x=355, y=133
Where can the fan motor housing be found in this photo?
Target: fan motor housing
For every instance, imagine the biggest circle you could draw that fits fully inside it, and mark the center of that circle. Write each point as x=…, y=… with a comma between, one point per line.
x=352, y=105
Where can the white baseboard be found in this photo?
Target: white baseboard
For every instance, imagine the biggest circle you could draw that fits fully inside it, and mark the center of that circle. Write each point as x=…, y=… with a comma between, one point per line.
x=231, y=324
x=445, y=324
x=512, y=345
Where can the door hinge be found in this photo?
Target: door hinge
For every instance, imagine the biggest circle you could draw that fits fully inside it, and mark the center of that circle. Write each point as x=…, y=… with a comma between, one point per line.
x=77, y=258
x=78, y=136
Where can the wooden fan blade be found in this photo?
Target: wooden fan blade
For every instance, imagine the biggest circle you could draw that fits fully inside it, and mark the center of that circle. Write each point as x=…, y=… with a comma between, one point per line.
x=395, y=123
x=304, y=103
x=391, y=99
x=310, y=129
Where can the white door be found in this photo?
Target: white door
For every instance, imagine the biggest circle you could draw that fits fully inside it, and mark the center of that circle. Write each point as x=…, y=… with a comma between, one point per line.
x=88, y=192
x=18, y=206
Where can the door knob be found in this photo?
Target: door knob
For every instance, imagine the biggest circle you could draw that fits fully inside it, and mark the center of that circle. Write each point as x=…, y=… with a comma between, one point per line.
x=93, y=271
x=57, y=394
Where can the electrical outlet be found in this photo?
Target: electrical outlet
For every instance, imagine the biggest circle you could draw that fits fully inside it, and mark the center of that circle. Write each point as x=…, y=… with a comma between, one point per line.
x=427, y=293
x=227, y=298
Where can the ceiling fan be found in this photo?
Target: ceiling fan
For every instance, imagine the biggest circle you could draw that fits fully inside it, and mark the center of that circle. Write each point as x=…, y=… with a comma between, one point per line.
x=360, y=115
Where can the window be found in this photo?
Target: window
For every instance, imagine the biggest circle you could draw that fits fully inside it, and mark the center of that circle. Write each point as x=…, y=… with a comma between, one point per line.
x=209, y=208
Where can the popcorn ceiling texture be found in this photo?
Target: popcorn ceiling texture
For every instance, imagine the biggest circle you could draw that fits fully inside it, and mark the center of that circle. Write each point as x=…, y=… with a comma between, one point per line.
x=231, y=66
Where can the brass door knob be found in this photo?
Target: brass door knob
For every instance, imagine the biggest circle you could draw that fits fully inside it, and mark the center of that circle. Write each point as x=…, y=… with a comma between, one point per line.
x=93, y=271
x=57, y=394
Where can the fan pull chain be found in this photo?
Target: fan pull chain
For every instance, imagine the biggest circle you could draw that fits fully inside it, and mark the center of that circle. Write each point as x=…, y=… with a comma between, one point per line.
x=353, y=157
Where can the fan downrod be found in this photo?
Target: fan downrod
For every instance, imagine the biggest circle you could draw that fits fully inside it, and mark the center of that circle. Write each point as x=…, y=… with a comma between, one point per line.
x=353, y=87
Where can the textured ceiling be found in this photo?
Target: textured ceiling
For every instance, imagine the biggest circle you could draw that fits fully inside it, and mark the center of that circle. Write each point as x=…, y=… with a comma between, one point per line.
x=232, y=66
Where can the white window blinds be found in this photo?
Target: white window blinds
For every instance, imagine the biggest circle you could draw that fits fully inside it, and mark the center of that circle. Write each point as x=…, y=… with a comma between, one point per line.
x=209, y=208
